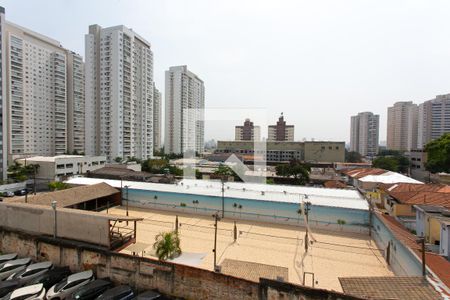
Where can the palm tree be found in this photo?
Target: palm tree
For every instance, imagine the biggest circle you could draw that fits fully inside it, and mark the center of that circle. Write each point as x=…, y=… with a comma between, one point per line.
x=167, y=245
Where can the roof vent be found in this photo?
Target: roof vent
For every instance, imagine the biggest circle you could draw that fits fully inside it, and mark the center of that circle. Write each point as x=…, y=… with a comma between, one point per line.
x=262, y=193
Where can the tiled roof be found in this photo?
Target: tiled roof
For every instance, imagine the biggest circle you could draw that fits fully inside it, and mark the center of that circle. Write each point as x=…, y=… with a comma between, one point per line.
x=426, y=198
x=253, y=271
x=413, y=187
x=436, y=263
x=334, y=184
x=398, y=287
x=69, y=197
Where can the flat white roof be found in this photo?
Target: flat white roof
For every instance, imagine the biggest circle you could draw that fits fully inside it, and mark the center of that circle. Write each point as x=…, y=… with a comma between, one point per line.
x=267, y=192
x=54, y=158
x=389, y=177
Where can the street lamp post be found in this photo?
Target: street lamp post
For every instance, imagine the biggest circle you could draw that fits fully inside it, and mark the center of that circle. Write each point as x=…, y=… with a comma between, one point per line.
x=54, y=218
x=306, y=209
x=216, y=219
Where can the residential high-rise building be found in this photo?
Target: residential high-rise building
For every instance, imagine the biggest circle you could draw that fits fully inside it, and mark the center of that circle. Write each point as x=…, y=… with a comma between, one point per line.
x=434, y=119
x=402, y=126
x=3, y=108
x=247, y=132
x=39, y=79
x=281, y=131
x=364, y=133
x=118, y=93
x=75, y=103
x=156, y=118
x=184, y=111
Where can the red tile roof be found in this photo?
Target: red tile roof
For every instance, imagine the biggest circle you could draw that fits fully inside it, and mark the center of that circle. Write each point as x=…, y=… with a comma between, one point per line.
x=414, y=187
x=427, y=198
x=334, y=184
x=436, y=263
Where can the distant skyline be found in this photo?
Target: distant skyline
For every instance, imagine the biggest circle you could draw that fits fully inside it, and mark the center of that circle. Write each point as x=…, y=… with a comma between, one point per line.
x=318, y=62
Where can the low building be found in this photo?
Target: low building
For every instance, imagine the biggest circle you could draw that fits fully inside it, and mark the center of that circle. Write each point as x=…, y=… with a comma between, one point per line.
x=417, y=159
x=276, y=151
x=55, y=167
x=432, y=223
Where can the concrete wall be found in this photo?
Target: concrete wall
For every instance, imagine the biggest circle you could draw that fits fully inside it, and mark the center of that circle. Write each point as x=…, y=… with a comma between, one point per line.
x=144, y=273
x=70, y=223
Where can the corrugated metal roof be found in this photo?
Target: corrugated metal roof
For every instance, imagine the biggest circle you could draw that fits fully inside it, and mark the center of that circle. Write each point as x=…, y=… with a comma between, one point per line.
x=251, y=191
x=69, y=197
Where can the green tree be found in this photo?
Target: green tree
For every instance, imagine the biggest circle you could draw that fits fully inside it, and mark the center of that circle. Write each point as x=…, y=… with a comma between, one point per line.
x=118, y=159
x=167, y=245
x=392, y=160
x=352, y=157
x=224, y=170
x=438, y=154
x=58, y=185
x=296, y=169
x=387, y=163
x=19, y=172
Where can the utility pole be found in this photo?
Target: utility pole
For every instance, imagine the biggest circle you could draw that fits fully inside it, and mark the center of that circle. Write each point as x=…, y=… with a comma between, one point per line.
x=306, y=208
x=216, y=219
x=421, y=240
x=223, y=197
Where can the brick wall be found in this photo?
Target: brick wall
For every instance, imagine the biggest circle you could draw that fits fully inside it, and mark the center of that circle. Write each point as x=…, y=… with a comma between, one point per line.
x=143, y=273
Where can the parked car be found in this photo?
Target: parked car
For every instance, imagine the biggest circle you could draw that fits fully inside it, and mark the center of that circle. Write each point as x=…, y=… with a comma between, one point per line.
x=21, y=192
x=150, y=295
x=32, y=271
x=14, y=266
x=69, y=285
x=7, y=257
x=8, y=194
x=8, y=286
x=121, y=292
x=30, y=292
x=92, y=290
x=52, y=277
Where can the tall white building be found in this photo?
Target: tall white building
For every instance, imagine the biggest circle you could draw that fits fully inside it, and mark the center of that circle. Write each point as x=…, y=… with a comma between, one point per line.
x=402, y=126
x=434, y=119
x=184, y=111
x=3, y=107
x=119, y=93
x=39, y=79
x=364, y=132
x=75, y=103
x=157, y=118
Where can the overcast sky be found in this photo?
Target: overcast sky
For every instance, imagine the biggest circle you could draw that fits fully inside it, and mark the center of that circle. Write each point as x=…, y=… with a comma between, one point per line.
x=319, y=62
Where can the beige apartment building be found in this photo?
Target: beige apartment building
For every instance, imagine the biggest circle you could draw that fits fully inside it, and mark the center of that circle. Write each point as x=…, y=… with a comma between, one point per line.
x=281, y=131
x=247, y=132
x=402, y=126
x=280, y=151
x=434, y=119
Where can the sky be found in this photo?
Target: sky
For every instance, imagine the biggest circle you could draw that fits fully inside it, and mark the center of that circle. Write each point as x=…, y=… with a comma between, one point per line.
x=318, y=62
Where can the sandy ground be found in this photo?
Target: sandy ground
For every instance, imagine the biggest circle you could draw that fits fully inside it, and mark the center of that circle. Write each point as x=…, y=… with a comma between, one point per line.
x=333, y=255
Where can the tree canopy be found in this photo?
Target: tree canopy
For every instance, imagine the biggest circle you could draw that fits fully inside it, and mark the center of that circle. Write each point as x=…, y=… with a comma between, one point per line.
x=391, y=160
x=352, y=157
x=21, y=172
x=160, y=166
x=295, y=169
x=438, y=154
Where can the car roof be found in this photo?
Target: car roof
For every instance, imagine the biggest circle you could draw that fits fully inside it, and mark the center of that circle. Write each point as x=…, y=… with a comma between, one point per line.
x=94, y=284
x=18, y=262
x=41, y=265
x=6, y=257
x=148, y=295
x=81, y=275
x=27, y=290
x=116, y=290
x=9, y=283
